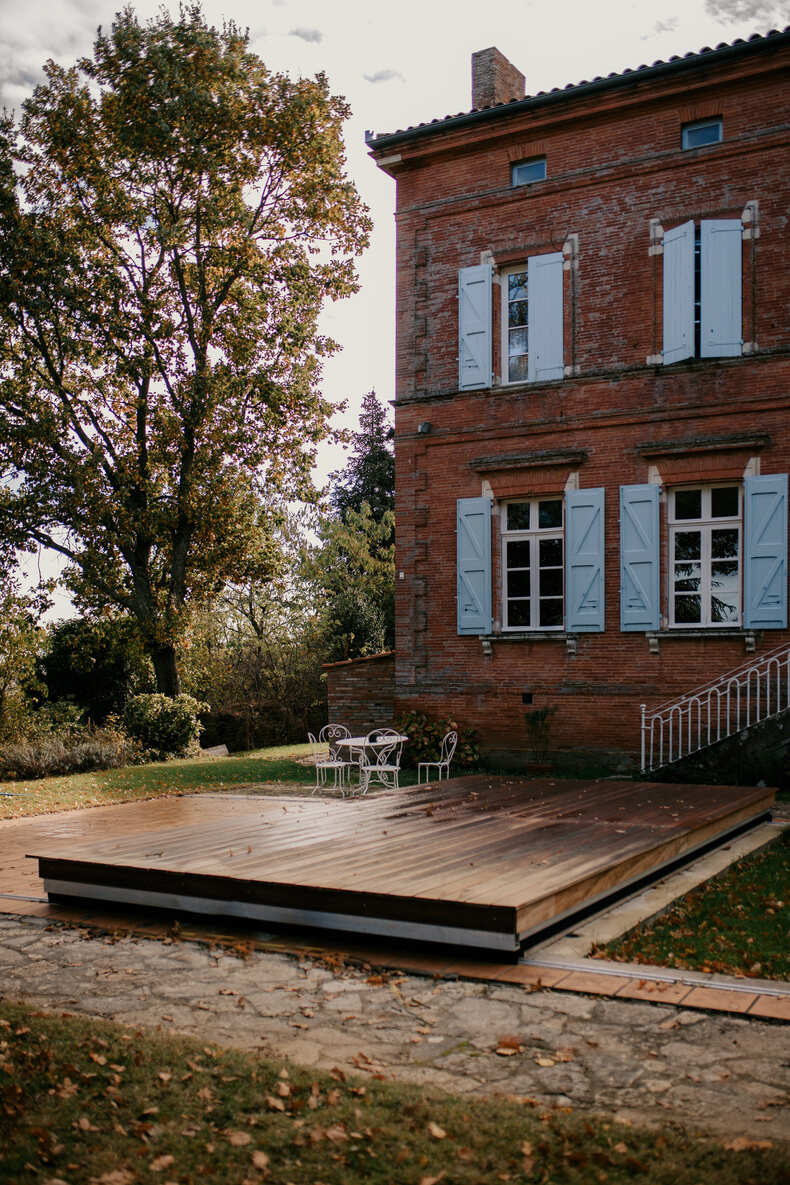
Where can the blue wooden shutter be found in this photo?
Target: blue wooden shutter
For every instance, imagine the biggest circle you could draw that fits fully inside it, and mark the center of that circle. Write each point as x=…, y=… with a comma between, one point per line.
x=765, y=552
x=639, y=557
x=584, y=560
x=679, y=293
x=474, y=565
x=545, y=336
x=474, y=327
x=720, y=288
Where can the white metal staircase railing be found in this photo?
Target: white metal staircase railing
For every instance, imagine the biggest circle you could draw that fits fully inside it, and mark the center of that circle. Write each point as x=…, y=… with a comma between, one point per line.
x=756, y=691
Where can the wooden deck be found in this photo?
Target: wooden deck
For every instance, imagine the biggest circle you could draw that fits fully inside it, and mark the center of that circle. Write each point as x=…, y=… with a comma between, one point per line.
x=477, y=861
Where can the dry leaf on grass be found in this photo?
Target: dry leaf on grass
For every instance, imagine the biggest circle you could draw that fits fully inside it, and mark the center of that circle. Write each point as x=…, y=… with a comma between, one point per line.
x=115, y=1177
x=544, y=1061
x=260, y=1159
x=437, y=1132
x=336, y=1133
x=621, y=1148
x=433, y=1180
x=239, y=1139
x=274, y=1104
x=159, y=1163
x=742, y=1144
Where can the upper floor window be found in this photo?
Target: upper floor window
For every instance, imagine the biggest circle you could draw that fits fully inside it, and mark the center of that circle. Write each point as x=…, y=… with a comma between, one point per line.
x=704, y=131
x=705, y=555
x=528, y=171
x=516, y=325
x=533, y=564
x=702, y=280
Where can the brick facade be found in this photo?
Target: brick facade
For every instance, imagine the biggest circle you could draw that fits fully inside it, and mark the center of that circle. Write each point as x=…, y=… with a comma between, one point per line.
x=616, y=178
x=361, y=692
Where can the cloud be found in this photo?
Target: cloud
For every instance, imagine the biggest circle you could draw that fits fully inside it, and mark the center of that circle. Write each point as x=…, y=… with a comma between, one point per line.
x=39, y=30
x=767, y=13
x=313, y=35
x=667, y=26
x=384, y=76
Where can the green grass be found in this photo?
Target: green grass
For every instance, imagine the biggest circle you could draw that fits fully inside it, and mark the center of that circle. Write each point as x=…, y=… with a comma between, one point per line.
x=265, y=766
x=90, y=1103
x=736, y=924
x=269, y=771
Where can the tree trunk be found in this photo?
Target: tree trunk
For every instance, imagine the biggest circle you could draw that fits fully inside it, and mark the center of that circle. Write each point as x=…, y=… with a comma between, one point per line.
x=166, y=671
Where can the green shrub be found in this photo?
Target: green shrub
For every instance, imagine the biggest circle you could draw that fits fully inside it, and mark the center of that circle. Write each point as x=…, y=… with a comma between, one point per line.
x=70, y=752
x=425, y=739
x=165, y=727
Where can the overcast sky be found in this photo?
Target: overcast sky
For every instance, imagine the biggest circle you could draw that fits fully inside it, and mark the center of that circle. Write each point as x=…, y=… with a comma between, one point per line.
x=398, y=65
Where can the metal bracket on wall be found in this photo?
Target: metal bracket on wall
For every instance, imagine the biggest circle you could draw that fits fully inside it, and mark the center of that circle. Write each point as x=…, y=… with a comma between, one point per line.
x=652, y=643
x=486, y=644
x=570, y=646
x=749, y=642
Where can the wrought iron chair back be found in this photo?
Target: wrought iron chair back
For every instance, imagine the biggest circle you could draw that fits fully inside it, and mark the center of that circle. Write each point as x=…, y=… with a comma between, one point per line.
x=330, y=734
x=442, y=766
x=380, y=760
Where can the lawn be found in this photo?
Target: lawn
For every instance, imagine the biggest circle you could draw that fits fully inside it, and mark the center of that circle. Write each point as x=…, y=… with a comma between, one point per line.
x=274, y=771
x=270, y=766
x=91, y=1103
x=738, y=923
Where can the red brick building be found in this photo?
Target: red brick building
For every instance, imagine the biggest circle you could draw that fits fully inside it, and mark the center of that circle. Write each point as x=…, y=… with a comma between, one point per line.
x=593, y=385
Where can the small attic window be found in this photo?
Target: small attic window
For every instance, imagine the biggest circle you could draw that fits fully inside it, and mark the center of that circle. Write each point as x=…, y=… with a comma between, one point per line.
x=528, y=171
x=697, y=135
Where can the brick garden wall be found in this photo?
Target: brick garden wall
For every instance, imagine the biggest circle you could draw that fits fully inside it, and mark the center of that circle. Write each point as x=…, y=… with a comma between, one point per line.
x=361, y=692
x=614, y=165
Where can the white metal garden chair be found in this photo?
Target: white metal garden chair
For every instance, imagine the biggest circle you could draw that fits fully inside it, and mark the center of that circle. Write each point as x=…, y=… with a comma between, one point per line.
x=329, y=735
x=442, y=766
x=380, y=761
x=325, y=764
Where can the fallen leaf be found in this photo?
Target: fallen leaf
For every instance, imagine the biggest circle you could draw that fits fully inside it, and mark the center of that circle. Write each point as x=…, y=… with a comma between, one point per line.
x=742, y=1144
x=437, y=1132
x=85, y=1125
x=260, y=1159
x=116, y=1177
x=526, y=1148
x=333, y=1097
x=159, y=1163
x=433, y=1180
x=283, y=1090
x=336, y=1133
x=164, y=1075
x=544, y=1061
x=239, y=1139
x=621, y=1148
x=274, y=1104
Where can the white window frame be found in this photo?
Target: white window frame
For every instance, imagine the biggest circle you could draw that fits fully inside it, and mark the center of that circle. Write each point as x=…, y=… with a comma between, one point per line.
x=504, y=376
x=698, y=125
x=533, y=535
x=705, y=524
x=532, y=162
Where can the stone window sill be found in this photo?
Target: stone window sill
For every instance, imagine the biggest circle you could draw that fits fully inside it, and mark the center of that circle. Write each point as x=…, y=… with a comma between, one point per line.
x=529, y=636
x=656, y=637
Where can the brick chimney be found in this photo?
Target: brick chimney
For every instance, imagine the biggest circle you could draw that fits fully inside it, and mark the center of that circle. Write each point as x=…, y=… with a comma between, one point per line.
x=494, y=79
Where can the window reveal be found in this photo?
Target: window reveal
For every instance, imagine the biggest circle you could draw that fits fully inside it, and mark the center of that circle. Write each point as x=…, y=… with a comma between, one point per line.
x=705, y=556
x=533, y=555
x=517, y=342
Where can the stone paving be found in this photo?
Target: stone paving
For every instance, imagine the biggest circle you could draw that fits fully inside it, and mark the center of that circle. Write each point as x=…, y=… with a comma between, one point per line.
x=640, y=1062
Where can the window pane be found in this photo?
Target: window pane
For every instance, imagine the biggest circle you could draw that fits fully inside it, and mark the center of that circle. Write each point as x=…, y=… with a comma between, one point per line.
x=517, y=286
x=724, y=545
x=550, y=553
x=724, y=606
x=551, y=582
x=517, y=312
x=518, y=520
x=518, y=583
x=518, y=613
x=688, y=504
x=724, y=502
x=517, y=341
x=687, y=610
x=687, y=578
x=703, y=133
x=550, y=513
x=518, y=553
x=517, y=369
x=551, y=612
x=531, y=170
x=688, y=545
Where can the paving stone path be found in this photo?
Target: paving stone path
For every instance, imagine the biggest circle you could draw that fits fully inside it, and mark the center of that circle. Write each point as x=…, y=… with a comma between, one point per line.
x=722, y=1075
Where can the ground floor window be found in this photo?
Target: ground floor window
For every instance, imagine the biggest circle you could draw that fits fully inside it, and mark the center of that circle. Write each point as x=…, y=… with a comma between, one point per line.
x=705, y=555
x=533, y=564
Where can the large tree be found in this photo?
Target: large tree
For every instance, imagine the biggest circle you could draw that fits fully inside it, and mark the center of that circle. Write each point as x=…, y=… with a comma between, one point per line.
x=172, y=217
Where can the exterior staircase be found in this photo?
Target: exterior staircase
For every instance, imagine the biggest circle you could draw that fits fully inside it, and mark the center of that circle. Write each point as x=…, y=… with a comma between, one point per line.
x=755, y=692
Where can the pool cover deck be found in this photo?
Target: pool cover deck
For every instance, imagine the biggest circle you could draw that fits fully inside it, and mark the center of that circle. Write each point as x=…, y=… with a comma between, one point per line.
x=477, y=861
